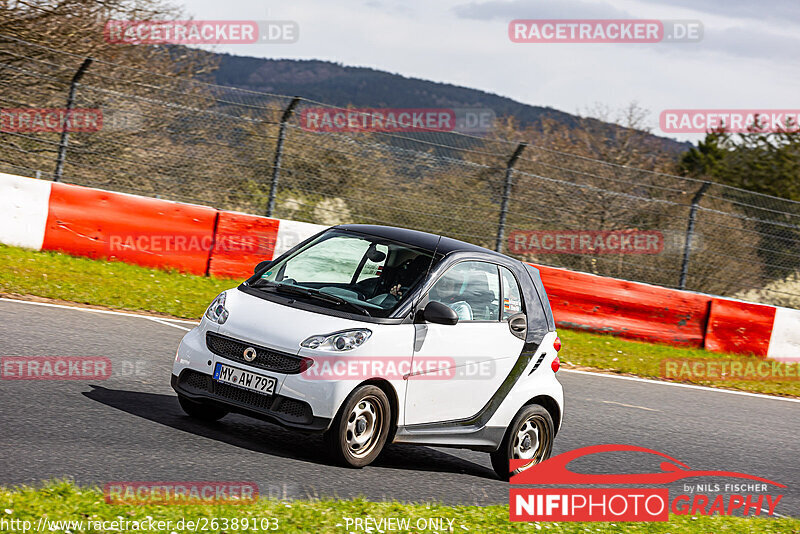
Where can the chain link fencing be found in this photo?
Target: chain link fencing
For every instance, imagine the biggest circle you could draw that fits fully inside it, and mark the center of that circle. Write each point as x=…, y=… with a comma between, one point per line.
x=186, y=140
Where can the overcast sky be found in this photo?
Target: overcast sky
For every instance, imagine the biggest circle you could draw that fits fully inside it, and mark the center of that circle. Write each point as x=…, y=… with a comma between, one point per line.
x=748, y=58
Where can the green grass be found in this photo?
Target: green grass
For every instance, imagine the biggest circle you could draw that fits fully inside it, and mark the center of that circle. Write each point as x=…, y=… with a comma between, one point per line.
x=61, y=501
x=106, y=283
x=617, y=355
x=130, y=287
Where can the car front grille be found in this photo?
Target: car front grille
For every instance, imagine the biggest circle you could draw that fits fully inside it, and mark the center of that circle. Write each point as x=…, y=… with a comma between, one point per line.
x=251, y=398
x=197, y=381
x=291, y=410
x=290, y=407
x=267, y=359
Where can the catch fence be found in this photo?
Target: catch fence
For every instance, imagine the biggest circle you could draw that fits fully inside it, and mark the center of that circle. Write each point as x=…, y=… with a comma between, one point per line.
x=186, y=140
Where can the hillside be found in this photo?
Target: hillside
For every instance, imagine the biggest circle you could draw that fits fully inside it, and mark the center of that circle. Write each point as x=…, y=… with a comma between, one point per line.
x=364, y=87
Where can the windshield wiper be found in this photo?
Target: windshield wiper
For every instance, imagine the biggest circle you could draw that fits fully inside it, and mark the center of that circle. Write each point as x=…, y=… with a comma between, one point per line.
x=353, y=305
x=315, y=293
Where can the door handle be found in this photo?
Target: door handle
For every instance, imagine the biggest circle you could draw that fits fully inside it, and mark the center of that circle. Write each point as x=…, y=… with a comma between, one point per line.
x=518, y=324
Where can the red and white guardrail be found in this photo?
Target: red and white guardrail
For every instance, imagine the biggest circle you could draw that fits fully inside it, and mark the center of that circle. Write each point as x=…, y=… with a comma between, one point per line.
x=82, y=221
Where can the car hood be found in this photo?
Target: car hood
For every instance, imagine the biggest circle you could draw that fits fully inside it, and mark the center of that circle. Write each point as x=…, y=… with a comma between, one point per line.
x=267, y=323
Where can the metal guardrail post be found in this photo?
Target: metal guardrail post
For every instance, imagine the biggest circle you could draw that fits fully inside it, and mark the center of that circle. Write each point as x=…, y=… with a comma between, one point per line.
x=501, y=227
x=690, y=233
x=64, y=143
x=276, y=165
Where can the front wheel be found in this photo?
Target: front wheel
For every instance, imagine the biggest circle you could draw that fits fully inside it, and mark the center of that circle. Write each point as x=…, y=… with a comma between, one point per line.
x=200, y=410
x=359, y=431
x=529, y=437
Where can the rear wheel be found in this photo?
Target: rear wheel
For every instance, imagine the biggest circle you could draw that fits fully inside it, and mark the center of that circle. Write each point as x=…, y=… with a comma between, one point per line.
x=360, y=429
x=200, y=410
x=529, y=437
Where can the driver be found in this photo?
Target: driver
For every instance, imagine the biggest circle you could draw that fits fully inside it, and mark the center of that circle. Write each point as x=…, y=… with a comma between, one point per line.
x=409, y=274
x=448, y=291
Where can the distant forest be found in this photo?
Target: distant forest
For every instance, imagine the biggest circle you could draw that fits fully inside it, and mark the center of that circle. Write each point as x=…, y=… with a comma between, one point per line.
x=339, y=85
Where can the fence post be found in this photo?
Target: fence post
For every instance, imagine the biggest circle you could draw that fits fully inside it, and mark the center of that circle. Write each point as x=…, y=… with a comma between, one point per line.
x=62, y=145
x=501, y=227
x=276, y=165
x=690, y=233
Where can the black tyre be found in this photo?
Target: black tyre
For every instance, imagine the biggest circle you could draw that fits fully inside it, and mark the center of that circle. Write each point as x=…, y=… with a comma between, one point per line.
x=528, y=437
x=200, y=410
x=359, y=431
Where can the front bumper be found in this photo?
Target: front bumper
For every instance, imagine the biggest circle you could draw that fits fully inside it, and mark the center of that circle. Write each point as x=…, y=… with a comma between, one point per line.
x=285, y=411
x=324, y=397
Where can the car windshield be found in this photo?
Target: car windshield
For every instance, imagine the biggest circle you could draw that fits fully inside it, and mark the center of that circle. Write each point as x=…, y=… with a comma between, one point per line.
x=357, y=273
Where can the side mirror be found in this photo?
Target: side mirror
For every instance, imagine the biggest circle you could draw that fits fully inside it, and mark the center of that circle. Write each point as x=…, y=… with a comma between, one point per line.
x=438, y=313
x=261, y=265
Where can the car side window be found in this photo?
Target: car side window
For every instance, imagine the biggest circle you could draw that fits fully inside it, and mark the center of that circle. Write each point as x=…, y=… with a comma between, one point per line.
x=471, y=289
x=512, y=299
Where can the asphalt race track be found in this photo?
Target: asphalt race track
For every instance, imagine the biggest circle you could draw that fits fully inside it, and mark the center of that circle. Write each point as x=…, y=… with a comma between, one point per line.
x=130, y=427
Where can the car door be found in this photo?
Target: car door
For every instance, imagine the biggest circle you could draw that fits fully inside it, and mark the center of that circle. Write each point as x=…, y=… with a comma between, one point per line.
x=456, y=369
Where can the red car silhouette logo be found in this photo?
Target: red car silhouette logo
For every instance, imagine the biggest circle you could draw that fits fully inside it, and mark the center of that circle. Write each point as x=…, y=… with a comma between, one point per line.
x=554, y=470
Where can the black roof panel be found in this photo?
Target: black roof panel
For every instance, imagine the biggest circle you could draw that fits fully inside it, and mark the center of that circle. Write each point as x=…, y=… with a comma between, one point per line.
x=416, y=238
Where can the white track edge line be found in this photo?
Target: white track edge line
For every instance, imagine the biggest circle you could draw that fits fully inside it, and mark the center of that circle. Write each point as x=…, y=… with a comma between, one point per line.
x=576, y=371
x=161, y=321
x=673, y=384
x=108, y=312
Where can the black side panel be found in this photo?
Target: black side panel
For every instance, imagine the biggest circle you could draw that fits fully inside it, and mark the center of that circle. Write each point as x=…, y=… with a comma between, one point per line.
x=541, y=296
x=537, y=319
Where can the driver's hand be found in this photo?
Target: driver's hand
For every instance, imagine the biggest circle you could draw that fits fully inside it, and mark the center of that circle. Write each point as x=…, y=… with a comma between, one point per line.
x=395, y=290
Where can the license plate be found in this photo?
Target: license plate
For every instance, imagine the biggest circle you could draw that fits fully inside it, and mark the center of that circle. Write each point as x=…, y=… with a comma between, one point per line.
x=245, y=379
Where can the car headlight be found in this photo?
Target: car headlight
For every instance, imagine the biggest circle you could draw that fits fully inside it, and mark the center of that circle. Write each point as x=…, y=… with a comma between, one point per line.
x=216, y=311
x=338, y=341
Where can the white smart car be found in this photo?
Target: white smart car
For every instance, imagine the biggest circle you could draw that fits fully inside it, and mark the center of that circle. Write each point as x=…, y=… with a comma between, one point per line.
x=375, y=335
